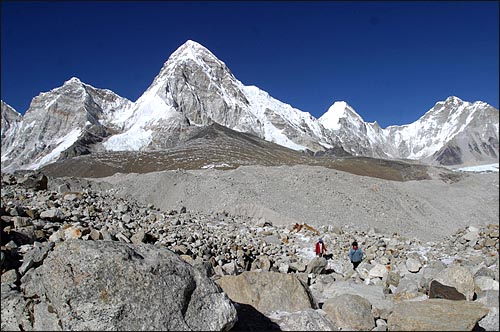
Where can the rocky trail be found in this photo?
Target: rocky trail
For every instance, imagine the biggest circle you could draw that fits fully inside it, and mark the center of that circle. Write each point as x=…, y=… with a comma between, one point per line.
x=80, y=254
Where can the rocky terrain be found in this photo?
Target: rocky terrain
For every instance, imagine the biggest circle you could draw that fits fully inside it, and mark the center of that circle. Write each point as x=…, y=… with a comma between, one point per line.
x=427, y=209
x=82, y=254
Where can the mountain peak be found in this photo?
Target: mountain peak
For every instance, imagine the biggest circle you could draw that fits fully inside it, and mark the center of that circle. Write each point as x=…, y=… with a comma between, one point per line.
x=73, y=80
x=453, y=100
x=192, y=44
x=339, y=109
x=191, y=50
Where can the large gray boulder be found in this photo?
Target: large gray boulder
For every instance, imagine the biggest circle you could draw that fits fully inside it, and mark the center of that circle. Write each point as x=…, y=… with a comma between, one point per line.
x=268, y=291
x=317, y=265
x=105, y=285
x=350, y=312
x=458, y=277
x=436, y=315
x=374, y=294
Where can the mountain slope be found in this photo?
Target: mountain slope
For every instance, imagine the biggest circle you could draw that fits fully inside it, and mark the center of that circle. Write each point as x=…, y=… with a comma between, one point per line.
x=452, y=132
x=219, y=147
x=66, y=120
x=11, y=121
x=194, y=89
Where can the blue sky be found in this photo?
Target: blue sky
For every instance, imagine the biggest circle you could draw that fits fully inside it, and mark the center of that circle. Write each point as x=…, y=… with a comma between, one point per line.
x=391, y=61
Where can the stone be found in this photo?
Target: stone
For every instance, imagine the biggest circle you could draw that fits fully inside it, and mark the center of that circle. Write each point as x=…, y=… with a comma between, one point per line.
x=413, y=265
x=14, y=310
x=305, y=320
x=350, y=312
x=436, y=315
x=268, y=291
x=484, y=283
x=458, y=277
x=317, y=265
x=54, y=214
x=131, y=287
x=377, y=271
x=95, y=235
x=138, y=237
x=491, y=321
x=36, y=181
x=44, y=318
x=262, y=262
x=9, y=277
x=440, y=291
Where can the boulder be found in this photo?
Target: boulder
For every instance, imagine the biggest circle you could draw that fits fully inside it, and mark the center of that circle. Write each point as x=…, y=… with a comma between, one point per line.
x=484, y=283
x=375, y=294
x=268, y=291
x=378, y=271
x=14, y=316
x=458, y=277
x=104, y=285
x=317, y=265
x=491, y=321
x=407, y=288
x=440, y=291
x=33, y=180
x=306, y=320
x=350, y=312
x=436, y=315
x=52, y=214
x=413, y=265
x=429, y=272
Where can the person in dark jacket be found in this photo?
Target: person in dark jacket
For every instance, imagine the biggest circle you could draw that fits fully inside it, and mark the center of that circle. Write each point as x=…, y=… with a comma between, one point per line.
x=355, y=254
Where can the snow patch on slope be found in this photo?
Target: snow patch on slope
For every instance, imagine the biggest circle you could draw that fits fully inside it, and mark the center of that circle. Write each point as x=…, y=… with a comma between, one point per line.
x=480, y=168
x=62, y=144
x=331, y=119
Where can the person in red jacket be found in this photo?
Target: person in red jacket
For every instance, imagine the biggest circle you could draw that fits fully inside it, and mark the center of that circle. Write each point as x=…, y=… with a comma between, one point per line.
x=320, y=248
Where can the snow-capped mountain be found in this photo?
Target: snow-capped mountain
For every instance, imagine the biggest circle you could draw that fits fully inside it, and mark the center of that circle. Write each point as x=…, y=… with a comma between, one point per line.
x=354, y=134
x=194, y=89
x=63, y=122
x=453, y=132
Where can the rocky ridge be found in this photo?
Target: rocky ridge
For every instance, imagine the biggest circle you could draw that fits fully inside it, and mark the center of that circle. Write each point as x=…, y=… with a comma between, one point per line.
x=429, y=281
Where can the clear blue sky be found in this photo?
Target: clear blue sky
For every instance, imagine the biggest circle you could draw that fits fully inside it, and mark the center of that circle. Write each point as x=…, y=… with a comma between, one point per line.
x=391, y=61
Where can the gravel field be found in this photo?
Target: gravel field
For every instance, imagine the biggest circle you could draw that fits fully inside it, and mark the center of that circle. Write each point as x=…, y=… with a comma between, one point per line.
x=427, y=209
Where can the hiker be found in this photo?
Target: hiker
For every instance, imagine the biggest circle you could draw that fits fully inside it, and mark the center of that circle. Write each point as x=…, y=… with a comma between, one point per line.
x=355, y=254
x=320, y=248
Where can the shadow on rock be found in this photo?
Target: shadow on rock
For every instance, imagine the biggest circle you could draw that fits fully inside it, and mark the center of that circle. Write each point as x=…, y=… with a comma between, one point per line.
x=249, y=319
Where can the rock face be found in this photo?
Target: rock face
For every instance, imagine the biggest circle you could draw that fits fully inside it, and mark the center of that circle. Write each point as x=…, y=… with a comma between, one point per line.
x=63, y=122
x=87, y=285
x=11, y=120
x=269, y=291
